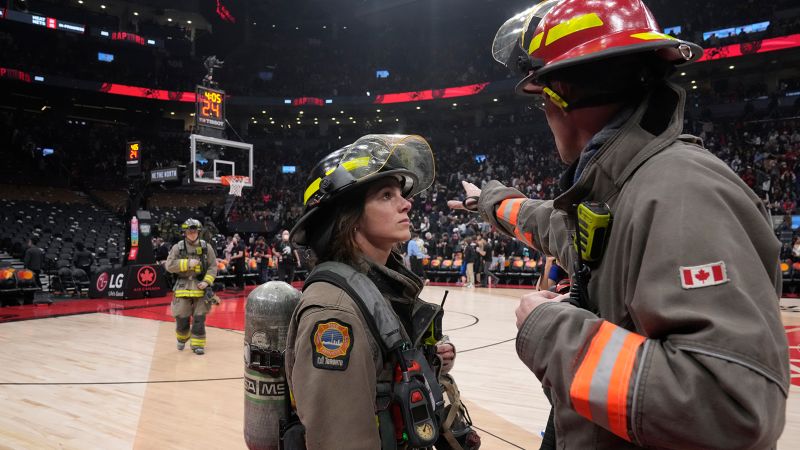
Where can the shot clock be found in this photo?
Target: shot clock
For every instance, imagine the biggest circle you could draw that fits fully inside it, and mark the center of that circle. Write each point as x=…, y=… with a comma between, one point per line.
x=210, y=108
x=133, y=158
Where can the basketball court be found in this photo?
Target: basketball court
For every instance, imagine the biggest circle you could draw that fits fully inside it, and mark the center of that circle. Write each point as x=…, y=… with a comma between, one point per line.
x=105, y=374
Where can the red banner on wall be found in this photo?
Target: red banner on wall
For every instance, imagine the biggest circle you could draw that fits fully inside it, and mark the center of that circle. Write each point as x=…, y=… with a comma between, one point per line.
x=751, y=48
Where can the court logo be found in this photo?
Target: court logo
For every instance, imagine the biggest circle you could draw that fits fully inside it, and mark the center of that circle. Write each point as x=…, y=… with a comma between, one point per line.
x=102, y=281
x=146, y=276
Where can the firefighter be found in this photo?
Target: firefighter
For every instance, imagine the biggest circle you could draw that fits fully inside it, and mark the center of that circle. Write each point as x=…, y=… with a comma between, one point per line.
x=195, y=265
x=671, y=335
x=339, y=362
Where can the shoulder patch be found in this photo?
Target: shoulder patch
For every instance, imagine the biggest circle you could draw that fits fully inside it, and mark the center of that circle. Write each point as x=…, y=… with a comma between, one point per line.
x=331, y=343
x=703, y=276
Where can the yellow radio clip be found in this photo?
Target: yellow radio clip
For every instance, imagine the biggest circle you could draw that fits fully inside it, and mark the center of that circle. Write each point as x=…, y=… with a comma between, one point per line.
x=594, y=228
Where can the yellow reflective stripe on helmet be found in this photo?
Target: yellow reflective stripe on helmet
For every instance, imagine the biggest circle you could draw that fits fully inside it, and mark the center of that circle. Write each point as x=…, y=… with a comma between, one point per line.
x=208, y=278
x=356, y=163
x=189, y=293
x=555, y=98
x=573, y=25
x=536, y=42
x=652, y=35
x=348, y=166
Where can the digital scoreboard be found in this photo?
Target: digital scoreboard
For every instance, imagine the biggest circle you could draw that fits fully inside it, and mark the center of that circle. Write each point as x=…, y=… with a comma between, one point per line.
x=210, y=108
x=133, y=158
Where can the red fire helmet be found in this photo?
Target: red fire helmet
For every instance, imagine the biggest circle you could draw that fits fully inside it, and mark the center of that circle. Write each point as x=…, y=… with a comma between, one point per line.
x=556, y=34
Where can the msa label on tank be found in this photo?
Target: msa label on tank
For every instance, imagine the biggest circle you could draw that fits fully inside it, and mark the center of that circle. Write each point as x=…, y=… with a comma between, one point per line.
x=263, y=388
x=331, y=344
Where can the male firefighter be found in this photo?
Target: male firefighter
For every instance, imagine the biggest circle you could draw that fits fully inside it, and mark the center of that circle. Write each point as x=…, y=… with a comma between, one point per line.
x=195, y=264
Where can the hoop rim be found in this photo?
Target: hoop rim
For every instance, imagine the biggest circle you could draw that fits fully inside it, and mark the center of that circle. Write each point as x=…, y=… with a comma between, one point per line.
x=227, y=180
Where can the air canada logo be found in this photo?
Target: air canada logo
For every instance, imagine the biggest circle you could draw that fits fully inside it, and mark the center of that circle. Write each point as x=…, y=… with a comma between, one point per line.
x=102, y=281
x=146, y=276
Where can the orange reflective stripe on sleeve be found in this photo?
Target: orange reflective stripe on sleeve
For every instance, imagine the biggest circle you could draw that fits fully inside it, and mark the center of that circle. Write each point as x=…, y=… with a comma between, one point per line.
x=599, y=390
x=509, y=210
x=526, y=238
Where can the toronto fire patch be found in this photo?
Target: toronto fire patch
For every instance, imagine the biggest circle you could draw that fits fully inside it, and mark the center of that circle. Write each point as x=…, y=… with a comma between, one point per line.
x=331, y=344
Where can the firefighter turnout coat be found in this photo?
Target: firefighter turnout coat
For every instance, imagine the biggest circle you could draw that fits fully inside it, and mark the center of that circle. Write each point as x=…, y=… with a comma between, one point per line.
x=188, y=279
x=681, y=343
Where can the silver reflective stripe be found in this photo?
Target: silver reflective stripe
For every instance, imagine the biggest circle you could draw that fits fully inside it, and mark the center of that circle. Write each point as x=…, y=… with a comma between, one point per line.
x=634, y=398
x=507, y=211
x=601, y=379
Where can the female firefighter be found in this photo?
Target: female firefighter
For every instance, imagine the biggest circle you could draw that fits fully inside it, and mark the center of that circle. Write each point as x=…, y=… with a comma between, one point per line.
x=360, y=309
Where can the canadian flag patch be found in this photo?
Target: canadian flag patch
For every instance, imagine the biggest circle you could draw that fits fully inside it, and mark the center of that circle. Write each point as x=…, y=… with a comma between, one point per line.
x=703, y=276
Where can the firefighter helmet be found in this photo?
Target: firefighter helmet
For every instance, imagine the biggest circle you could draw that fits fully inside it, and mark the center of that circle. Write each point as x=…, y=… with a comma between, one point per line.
x=191, y=224
x=371, y=157
x=557, y=34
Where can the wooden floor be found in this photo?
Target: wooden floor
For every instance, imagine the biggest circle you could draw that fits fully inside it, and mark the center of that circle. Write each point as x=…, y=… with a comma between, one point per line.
x=107, y=381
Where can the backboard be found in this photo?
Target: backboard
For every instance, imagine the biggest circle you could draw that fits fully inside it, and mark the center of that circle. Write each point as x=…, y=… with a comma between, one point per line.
x=213, y=158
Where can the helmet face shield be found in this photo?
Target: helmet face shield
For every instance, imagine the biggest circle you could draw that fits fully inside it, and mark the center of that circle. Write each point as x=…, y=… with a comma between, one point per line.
x=409, y=158
x=371, y=155
x=510, y=45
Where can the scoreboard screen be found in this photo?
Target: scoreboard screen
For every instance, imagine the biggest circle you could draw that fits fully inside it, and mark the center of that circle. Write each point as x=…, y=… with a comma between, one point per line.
x=210, y=108
x=133, y=158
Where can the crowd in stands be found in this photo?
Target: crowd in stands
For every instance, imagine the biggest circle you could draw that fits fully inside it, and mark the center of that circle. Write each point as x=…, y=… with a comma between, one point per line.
x=761, y=146
x=325, y=63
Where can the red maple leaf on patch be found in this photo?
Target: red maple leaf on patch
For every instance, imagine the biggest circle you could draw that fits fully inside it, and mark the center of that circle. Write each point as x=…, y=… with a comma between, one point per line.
x=702, y=275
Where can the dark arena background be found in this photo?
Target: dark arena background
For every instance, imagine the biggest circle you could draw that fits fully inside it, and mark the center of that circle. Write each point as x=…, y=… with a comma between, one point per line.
x=119, y=120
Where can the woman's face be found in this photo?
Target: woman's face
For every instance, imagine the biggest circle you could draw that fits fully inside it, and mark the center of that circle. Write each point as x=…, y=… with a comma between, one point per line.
x=385, y=221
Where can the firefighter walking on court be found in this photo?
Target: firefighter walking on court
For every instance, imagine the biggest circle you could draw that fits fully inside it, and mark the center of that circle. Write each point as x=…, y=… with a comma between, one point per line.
x=195, y=265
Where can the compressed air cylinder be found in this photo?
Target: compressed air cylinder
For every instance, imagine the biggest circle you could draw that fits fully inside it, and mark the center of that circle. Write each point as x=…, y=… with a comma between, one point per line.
x=268, y=310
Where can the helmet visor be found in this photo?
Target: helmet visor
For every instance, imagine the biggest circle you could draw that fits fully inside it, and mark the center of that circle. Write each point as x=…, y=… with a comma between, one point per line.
x=514, y=36
x=376, y=153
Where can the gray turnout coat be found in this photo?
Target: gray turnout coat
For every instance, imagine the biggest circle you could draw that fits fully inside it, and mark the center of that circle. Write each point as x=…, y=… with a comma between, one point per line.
x=681, y=344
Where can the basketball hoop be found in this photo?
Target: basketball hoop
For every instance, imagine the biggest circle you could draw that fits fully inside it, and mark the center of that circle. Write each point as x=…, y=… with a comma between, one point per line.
x=236, y=183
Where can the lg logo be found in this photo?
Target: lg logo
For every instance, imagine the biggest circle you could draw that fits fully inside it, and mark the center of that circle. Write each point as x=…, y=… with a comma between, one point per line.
x=102, y=281
x=116, y=281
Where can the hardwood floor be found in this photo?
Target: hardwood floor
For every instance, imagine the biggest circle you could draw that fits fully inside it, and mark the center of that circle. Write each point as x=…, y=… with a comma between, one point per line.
x=114, y=381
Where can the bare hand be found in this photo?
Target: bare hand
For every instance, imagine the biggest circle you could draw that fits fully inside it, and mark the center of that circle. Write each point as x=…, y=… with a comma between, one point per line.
x=193, y=263
x=447, y=352
x=529, y=302
x=470, y=190
x=202, y=285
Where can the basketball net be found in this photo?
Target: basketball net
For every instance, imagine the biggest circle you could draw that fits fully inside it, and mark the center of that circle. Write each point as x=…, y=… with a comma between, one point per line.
x=236, y=183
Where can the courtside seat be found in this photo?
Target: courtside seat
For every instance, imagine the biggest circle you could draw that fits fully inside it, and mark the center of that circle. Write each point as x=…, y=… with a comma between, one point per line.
x=433, y=268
